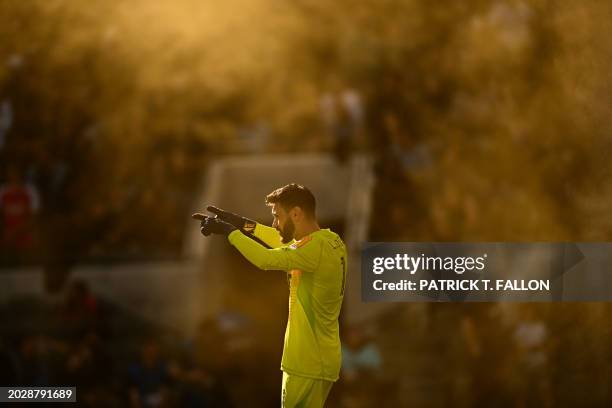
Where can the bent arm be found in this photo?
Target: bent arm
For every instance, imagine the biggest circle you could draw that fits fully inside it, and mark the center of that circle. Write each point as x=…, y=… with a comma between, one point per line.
x=305, y=258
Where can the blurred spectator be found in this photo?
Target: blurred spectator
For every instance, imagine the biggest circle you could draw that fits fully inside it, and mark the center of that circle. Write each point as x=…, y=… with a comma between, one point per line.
x=89, y=366
x=202, y=373
x=32, y=367
x=342, y=114
x=79, y=311
x=484, y=336
x=532, y=346
x=361, y=369
x=210, y=347
x=87, y=362
x=235, y=327
x=149, y=378
x=19, y=203
x=360, y=356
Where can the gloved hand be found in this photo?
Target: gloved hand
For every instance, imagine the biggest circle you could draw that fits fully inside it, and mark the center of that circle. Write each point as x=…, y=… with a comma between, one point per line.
x=213, y=225
x=236, y=220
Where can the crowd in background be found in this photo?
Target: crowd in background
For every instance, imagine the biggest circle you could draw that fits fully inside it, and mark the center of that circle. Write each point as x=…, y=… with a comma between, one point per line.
x=517, y=355
x=58, y=209
x=116, y=360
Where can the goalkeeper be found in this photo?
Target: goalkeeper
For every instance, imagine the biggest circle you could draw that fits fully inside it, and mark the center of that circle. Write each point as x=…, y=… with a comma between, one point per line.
x=315, y=262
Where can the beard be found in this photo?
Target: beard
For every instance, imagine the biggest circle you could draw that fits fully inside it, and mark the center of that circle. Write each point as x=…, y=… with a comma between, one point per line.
x=287, y=232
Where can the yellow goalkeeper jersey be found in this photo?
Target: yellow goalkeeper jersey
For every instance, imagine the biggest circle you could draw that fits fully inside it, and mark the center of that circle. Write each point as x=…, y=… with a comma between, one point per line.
x=316, y=267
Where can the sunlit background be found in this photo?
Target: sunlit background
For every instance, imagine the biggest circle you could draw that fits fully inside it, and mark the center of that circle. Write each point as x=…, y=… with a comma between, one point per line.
x=479, y=121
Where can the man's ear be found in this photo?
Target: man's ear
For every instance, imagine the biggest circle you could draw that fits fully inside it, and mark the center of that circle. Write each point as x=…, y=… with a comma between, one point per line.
x=296, y=213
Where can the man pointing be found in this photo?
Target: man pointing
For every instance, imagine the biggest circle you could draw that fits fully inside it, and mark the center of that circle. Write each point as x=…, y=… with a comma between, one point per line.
x=315, y=262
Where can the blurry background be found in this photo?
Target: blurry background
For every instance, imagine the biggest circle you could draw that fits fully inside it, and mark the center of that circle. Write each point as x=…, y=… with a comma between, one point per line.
x=477, y=121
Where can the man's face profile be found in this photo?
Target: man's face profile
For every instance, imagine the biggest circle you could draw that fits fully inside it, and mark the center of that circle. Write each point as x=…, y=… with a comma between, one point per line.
x=283, y=223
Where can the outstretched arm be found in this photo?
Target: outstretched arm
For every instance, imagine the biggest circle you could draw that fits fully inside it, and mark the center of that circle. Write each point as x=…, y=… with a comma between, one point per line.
x=304, y=257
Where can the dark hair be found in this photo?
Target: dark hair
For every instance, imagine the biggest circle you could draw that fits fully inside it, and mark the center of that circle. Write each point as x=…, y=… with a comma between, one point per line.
x=293, y=195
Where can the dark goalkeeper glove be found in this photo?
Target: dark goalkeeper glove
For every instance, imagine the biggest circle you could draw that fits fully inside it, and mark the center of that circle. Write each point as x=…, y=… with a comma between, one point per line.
x=213, y=225
x=238, y=221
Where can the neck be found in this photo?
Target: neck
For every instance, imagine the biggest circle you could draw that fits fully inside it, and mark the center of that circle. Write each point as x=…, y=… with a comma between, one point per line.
x=306, y=230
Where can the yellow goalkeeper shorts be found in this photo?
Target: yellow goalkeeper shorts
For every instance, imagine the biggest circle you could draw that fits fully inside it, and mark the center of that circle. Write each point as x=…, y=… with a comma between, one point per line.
x=302, y=392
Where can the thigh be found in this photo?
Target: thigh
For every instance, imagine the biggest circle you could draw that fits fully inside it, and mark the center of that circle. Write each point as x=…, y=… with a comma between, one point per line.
x=295, y=390
x=317, y=395
x=301, y=392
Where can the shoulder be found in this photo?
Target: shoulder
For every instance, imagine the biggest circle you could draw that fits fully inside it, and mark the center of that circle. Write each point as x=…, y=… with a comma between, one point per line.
x=304, y=241
x=327, y=238
x=331, y=238
x=316, y=239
